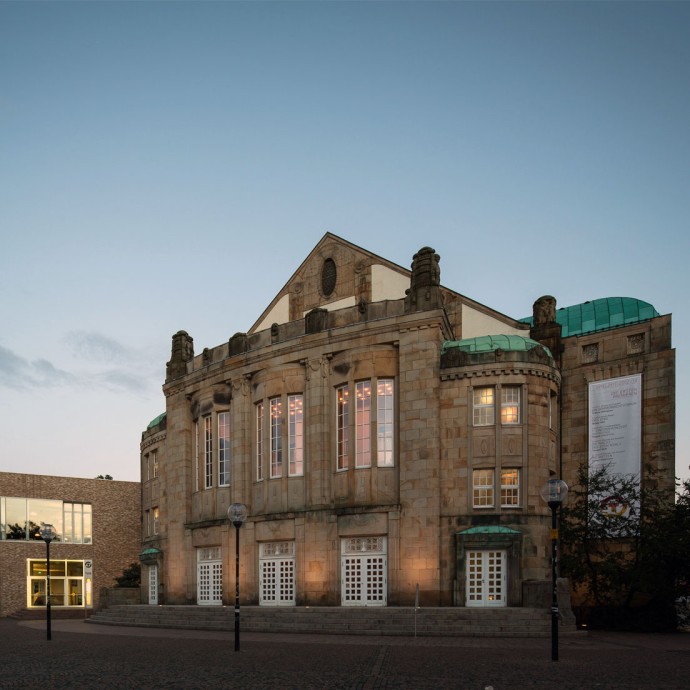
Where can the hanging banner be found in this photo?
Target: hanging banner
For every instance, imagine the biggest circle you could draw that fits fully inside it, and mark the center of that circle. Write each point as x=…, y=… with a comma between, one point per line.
x=615, y=425
x=615, y=442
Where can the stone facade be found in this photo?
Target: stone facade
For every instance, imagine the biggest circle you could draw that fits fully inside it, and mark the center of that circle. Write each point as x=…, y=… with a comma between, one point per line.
x=116, y=516
x=441, y=493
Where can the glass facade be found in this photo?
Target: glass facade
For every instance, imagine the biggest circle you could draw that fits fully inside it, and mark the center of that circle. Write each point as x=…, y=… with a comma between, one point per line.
x=21, y=519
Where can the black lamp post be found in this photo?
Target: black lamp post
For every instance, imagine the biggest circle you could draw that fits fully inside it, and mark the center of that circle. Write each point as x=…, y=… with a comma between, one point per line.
x=237, y=514
x=47, y=533
x=554, y=493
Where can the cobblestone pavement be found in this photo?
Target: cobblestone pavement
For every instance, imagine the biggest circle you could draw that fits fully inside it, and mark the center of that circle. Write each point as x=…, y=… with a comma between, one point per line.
x=85, y=655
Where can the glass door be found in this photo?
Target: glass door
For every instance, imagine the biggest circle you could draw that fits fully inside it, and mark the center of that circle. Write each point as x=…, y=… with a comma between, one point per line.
x=485, y=578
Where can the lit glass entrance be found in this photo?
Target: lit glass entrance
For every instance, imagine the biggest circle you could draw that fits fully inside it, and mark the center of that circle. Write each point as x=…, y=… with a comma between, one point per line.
x=66, y=583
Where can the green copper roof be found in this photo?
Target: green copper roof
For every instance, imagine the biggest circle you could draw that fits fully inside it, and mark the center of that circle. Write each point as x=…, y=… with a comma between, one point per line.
x=601, y=314
x=157, y=420
x=489, y=343
x=150, y=552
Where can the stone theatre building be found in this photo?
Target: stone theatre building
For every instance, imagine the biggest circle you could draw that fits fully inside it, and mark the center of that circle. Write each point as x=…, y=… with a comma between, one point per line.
x=386, y=433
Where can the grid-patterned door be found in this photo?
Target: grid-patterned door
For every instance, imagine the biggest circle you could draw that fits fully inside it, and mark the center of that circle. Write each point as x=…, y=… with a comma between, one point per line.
x=485, y=582
x=209, y=577
x=277, y=574
x=153, y=585
x=363, y=572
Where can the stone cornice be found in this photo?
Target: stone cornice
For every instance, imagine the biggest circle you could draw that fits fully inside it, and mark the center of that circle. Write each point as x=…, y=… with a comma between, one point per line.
x=505, y=369
x=151, y=440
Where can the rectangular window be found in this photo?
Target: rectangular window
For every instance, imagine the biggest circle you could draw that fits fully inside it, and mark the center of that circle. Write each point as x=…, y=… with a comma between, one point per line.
x=510, y=488
x=510, y=405
x=208, y=453
x=22, y=519
x=276, y=411
x=196, y=455
x=483, y=408
x=154, y=463
x=296, y=435
x=147, y=523
x=259, y=441
x=147, y=462
x=44, y=511
x=155, y=520
x=363, y=424
x=384, y=423
x=78, y=523
x=68, y=521
x=343, y=427
x=223, y=449
x=14, y=518
x=483, y=488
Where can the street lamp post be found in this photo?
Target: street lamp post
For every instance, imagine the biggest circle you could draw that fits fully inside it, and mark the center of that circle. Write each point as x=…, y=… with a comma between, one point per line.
x=237, y=514
x=47, y=533
x=554, y=493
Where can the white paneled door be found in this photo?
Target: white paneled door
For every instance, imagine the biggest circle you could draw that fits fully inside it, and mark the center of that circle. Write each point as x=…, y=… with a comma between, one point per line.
x=363, y=571
x=485, y=583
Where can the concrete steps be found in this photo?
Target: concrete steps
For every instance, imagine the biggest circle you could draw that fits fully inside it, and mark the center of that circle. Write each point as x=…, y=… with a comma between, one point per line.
x=55, y=614
x=447, y=622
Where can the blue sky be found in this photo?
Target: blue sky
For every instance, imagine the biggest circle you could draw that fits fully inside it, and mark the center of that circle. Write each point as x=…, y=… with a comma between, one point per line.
x=168, y=165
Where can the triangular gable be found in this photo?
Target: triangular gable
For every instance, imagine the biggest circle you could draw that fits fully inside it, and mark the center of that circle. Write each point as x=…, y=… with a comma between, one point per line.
x=358, y=274
x=338, y=274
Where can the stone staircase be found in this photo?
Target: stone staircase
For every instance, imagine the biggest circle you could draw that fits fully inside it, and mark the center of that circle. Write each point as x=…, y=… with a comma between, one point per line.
x=55, y=614
x=447, y=622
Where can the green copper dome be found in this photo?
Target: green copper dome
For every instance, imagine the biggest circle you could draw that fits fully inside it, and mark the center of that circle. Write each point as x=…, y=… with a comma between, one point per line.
x=601, y=314
x=489, y=343
x=157, y=420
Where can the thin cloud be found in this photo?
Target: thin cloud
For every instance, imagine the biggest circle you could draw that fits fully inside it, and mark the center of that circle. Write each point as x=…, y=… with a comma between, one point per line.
x=95, y=347
x=19, y=373
x=118, y=379
x=135, y=376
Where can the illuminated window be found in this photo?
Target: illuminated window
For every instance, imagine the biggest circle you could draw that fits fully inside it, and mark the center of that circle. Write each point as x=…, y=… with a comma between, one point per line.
x=69, y=584
x=510, y=488
x=483, y=488
x=259, y=441
x=510, y=405
x=155, y=520
x=384, y=405
x=384, y=423
x=295, y=435
x=208, y=453
x=276, y=411
x=363, y=424
x=343, y=427
x=483, y=409
x=223, y=448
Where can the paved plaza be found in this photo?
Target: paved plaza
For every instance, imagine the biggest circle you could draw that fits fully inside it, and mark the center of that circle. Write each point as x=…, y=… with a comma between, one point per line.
x=85, y=655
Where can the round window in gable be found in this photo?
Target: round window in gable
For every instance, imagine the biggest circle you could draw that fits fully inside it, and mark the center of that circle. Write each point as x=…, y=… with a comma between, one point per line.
x=328, y=277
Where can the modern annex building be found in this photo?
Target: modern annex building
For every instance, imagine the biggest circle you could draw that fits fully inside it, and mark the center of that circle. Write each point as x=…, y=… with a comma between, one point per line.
x=97, y=524
x=391, y=436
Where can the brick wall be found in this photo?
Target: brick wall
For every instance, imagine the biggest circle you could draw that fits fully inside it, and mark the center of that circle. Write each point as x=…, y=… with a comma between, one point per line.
x=116, y=543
